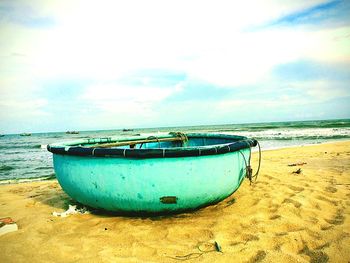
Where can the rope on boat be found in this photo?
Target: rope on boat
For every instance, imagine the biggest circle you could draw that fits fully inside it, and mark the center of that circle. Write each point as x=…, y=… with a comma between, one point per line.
x=181, y=135
x=154, y=138
x=249, y=170
x=257, y=171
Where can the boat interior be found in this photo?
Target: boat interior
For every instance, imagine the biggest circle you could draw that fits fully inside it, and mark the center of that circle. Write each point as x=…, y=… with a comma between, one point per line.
x=153, y=142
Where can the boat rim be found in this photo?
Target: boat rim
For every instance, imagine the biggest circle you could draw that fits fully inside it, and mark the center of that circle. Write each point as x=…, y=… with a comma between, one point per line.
x=77, y=148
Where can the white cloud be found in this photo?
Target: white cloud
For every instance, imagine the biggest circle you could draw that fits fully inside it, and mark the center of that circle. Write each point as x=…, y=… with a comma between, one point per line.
x=117, y=93
x=209, y=41
x=126, y=105
x=106, y=39
x=322, y=90
x=16, y=110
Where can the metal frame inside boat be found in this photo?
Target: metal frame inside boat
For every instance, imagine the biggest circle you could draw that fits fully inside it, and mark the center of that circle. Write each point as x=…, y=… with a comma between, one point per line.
x=83, y=147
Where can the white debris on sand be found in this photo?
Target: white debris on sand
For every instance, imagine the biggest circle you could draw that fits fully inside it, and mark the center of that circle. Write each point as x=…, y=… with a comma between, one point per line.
x=7, y=225
x=72, y=210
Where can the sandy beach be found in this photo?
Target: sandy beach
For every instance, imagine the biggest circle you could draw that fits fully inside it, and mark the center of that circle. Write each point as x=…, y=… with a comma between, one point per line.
x=283, y=217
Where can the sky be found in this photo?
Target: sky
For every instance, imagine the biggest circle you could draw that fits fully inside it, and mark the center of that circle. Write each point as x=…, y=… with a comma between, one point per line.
x=98, y=64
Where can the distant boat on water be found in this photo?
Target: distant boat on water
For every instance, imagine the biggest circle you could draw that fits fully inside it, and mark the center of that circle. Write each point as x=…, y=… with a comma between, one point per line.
x=25, y=134
x=72, y=132
x=126, y=130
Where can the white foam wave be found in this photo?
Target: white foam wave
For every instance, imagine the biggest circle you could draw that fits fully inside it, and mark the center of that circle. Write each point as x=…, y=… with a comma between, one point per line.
x=322, y=133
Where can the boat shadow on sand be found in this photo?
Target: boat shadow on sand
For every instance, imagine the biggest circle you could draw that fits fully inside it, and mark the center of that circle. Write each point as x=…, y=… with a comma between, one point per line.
x=54, y=197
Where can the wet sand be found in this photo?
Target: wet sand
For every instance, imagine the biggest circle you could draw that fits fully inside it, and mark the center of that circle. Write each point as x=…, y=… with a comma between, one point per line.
x=283, y=217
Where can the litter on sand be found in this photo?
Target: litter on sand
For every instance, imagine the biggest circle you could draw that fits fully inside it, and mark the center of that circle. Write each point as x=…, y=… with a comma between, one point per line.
x=297, y=164
x=72, y=210
x=297, y=171
x=7, y=225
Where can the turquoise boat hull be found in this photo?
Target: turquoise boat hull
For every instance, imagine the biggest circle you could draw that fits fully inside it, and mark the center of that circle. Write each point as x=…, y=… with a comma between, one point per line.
x=149, y=184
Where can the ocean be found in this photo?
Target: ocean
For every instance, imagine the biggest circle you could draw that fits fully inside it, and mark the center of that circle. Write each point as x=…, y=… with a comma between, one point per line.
x=26, y=158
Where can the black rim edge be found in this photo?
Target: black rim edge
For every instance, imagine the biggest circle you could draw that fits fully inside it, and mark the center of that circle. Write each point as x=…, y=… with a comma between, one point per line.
x=154, y=153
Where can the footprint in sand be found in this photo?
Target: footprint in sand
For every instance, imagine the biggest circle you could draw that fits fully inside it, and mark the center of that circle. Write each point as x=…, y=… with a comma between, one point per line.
x=291, y=201
x=273, y=208
x=326, y=227
x=296, y=188
x=249, y=237
x=256, y=201
x=331, y=189
x=281, y=234
x=272, y=178
x=274, y=217
x=338, y=219
x=315, y=256
x=322, y=198
x=244, y=239
x=260, y=255
x=325, y=245
x=313, y=220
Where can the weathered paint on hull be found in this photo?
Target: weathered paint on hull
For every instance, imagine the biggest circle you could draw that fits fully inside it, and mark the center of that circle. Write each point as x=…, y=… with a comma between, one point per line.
x=142, y=185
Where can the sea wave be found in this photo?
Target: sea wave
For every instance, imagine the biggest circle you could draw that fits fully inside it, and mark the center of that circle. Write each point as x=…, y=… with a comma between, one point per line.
x=309, y=137
x=56, y=136
x=6, y=167
x=43, y=168
x=23, y=146
x=298, y=134
x=286, y=125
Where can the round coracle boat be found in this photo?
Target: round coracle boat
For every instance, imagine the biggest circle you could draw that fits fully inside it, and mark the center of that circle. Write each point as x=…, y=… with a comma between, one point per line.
x=160, y=173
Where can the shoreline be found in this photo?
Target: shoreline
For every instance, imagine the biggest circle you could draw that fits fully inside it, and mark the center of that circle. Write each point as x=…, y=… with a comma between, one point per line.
x=26, y=180
x=282, y=217
x=305, y=145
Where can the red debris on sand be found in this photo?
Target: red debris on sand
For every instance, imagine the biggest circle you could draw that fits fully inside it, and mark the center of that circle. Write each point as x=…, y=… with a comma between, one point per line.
x=7, y=220
x=7, y=225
